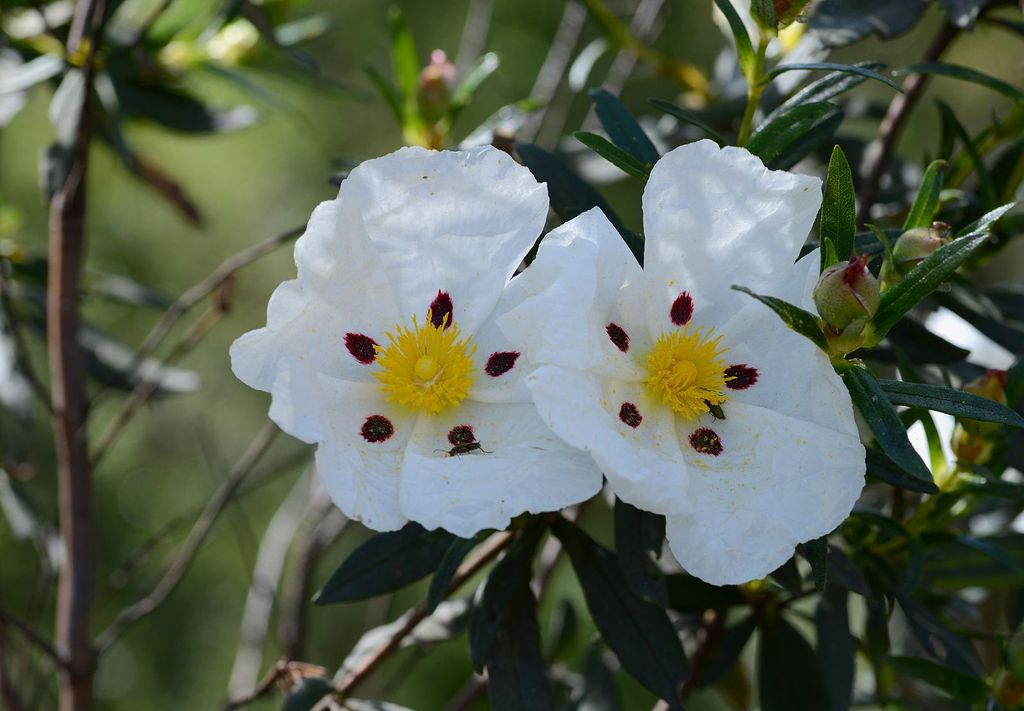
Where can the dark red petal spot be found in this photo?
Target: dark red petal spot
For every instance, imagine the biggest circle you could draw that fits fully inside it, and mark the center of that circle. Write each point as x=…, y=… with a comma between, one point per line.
x=501, y=362
x=740, y=376
x=706, y=441
x=630, y=415
x=361, y=347
x=376, y=429
x=619, y=337
x=441, y=310
x=682, y=309
x=461, y=434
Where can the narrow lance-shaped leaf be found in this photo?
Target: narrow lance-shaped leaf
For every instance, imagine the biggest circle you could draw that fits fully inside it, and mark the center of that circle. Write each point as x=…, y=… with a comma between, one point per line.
x=613, y=154
x=515, y=667
x=881, y=467
x=838, y=213
x=687, y=117
x=405, y=63
x=789, y=676
x=815, y=552
x=858, y=69
x=772, y=138
x=959, y=685
x=622, y=128
x=448, y=566
x=836, y=646
x=485, y=67
x=927, y=199
x=744, y=47
x=639, y=536
x=823, y=89
x=803, y=322
x=986, y=190
x=950, y=401
x=807, y=142
x=957, y=71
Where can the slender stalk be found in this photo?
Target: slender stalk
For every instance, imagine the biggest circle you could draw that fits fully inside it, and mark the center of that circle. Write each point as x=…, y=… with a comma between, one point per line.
x=755, y=87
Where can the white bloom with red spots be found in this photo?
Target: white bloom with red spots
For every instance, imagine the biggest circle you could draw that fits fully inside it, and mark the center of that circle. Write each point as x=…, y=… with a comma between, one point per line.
x=385, y=352
x=632, y=363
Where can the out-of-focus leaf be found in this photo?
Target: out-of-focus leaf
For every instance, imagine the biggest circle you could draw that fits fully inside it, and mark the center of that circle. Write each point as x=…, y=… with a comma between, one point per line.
x=1008, y=171
x=387, y=90
x=303, y=29
x=788, y=672
x=687, y=593
x=838, y=212
x=950, y=401
x=923, y=209
x=579, y=70
x=569, y=195
x=770, y=139
x=366, y=705
x=25, y=76
x=913, y=568
x=827, y=87
x=845, y=573
x=816, y=553
x=998, y=488
x=477, y=75
x=803, y=322
x=687, y=117
x=179, y=111
x=563, y=627
x=613, y=154
x=956, y=565
x=963, y=13
x=66, y=106
x=449, y=565
x=622, y=128
x=788, y=576
x=117, y=287
x=515, y=667
x=841, y=22
x=728, y=652
x=808, y=142
x=918, y=344
x=938, y=641
x=385, y=563
x=986, y=190
x=957, y=71
x=112, y=362
x=885, y=469
x=983, y=315
x=638, y=539
x=638, y=632
x=744, y=47
x=405, y=62
x=763, y=12
x=966, y=687
x=600, y=690
x=307, y=694
x=836, y=646
x=858, y=69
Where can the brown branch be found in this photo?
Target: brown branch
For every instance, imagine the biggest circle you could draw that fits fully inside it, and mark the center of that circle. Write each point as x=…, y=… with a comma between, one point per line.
x=195, y=540
x=879, y=152
x=37, y=639
x=21, y=354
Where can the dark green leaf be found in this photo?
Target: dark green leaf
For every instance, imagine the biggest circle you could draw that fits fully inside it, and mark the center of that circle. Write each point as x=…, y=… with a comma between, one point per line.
x=814, y=137
x=966, y=687
x=858, y=69
x=845, y=573
x=986, y=190
x=728, y=651
x=622, y=128
x=179, y=111
x=789, y=676
x=838, y=211
x=687, y=593
x=950, y=401
x=613, y=154
x=823, y=89
x=639, y=536
x=957, y=71
x=387, y=91
x=788, y=576
x=881, y=467
x=963, y=13
x=770, y=139
x=805, y=323
x=515, y=668
x=385, y=563
x=744, y=48
x=998, y=488
x=919, y=345
x=763, y=12
x=639, y=633
x=923, y=209
x=307, y=694
x=957, y=565
x=840, y=22
x=600, y=690
x=816, y=553
x=836, y=646
x=892, y=529
x=938, y=640
x=687, y=117
x=448, y=566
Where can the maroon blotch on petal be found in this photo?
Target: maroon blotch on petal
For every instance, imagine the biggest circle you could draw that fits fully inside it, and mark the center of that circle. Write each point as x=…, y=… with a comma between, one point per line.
x=376, y=429
x=461, y=434
x=441, y=310
x=501, y=362
x=619, y=337
x=706, y=441
x=682, y=309
x=361, y=347
x=740, y=376
x=629, y=414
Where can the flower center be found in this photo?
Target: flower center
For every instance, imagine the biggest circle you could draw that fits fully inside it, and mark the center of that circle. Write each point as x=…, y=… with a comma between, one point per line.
x=686, y=370
x=426, y=368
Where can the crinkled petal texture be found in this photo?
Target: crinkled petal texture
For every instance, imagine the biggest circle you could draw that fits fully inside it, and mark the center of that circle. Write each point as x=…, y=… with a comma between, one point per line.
x=415, y=237
x=786, y=465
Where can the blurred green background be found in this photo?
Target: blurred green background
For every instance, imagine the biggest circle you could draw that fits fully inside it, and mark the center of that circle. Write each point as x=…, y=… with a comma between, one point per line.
x=250, y=185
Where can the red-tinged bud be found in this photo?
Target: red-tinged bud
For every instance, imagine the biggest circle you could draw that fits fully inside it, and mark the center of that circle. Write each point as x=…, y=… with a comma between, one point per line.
x=991, y=385
x=847, y=296
x=433, y=94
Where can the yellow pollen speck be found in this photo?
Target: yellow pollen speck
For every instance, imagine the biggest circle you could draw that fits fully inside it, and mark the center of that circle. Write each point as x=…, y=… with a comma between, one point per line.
x=686, y=370
x=426, y=368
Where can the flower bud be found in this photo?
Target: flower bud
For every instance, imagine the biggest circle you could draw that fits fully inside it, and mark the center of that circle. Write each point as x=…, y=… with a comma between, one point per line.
x=911, y=248
x=847, y=297
x=991, y=385
x=433, y=94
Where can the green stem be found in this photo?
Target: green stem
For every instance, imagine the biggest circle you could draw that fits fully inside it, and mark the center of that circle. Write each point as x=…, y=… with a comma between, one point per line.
x=755, y=85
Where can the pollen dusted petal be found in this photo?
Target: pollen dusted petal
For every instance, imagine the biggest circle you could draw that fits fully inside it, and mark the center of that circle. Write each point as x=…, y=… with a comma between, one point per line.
x=629, y=414
x=618, y=336
x=461, y=434
x=441, y=310
x=501, y=362
x=376, y=429
x=361, y=347
x=740, y=376
x=706, y=441
x=682, y=309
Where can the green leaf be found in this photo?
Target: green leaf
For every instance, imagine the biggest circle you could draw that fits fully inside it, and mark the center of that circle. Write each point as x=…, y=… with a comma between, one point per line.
x=744, y=47
x=913, y=568
x=985, y=221
x=816, y=553
x=938, y=641
x=385, y=563
x=687, y=593
x=803, y=322
x=930, y=272
x=836, y=646
x=923, y=209
x=622, y=128
x=950, y=401
x=449, y=565
x=516, y=676
x=788, y=672
x=998, y=488
x=387, y=91
x=727, y=655
x=687, y=117
x=600, y=689
x=881, y=417
x=35, y=71
x=613, y=154
x=823, y=89
x=179, y=111
x=858, y=69
x=957, y=71
x=840, y=22
x=570, y=196
x=838, y=211
x=763, y=12
x=986, y=190
x=770, y=139
x=966, y=687
x=307, y=694
x=639, y=536
x=638, y=632
x=884, y=469
x=405, y=61
x=845, y=573
x=809, y=141
x=485, y=67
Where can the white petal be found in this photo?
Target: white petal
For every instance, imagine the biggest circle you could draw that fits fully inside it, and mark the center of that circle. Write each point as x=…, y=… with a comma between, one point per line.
x=458, y=222
x=777, y=482
x=524, y=467
x=714, y=217
x=583, y=279
x=493, y=349
x=361, y=477
x=643, y=464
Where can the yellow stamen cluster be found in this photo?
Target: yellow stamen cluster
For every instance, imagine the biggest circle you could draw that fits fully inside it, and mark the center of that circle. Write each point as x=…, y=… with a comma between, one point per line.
x=686, y=370
x=426, y=368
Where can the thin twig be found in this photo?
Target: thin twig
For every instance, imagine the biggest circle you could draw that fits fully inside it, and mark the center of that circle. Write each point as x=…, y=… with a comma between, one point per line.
x=195, y=540
x=879, y=152
x=276, y=673
x=644, y=28
x=40, y=642
x=474, y=34
x=21, y=355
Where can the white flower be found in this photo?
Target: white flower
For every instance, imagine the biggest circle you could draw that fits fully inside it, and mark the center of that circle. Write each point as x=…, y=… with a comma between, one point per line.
x=630, y=361
x=385, y=353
